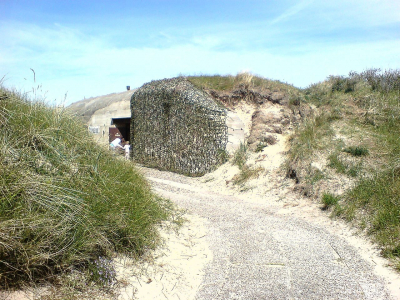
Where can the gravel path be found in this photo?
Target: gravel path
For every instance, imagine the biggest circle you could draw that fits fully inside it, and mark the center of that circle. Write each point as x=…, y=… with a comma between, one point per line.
x=260, y=253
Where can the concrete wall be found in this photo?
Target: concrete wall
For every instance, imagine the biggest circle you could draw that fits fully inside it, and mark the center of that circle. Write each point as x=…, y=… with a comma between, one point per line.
x=102, y=118
x=236, y=133
x=97, y=112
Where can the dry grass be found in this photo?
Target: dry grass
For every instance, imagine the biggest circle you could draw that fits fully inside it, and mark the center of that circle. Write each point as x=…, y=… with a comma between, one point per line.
x=64, y=200
x=357, y=136
x=229, y=83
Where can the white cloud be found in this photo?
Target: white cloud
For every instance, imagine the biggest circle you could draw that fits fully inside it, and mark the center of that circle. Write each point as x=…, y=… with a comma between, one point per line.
x=67, y=60
x=293, y=10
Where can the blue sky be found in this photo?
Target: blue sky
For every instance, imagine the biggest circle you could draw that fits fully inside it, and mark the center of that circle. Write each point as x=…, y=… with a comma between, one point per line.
x=83, y=49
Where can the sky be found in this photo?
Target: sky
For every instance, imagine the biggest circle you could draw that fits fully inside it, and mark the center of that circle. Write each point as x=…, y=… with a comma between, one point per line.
x=65, y=51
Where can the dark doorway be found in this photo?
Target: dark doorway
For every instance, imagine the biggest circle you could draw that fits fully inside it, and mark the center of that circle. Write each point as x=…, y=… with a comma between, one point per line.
x=121, y=130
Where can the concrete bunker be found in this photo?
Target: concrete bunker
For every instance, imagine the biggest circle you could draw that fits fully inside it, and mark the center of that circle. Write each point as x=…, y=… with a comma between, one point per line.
x=177, y=127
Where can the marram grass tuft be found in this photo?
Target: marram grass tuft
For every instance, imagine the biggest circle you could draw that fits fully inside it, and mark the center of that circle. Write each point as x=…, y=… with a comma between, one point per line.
x=65, y=200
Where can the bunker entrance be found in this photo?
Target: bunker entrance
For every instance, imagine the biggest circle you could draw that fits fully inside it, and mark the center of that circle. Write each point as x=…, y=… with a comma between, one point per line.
x=121, y=129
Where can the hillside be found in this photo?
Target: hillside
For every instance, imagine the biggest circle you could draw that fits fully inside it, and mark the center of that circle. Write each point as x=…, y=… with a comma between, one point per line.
x=67, y=206
x=347, y=154
x=86, y=108
x=337, y=140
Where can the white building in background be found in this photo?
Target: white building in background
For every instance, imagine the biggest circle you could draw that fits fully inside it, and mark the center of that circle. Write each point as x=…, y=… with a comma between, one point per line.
x=107, y=117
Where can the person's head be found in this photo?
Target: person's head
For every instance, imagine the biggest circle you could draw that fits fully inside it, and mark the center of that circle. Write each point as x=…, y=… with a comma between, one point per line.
x=127, y=143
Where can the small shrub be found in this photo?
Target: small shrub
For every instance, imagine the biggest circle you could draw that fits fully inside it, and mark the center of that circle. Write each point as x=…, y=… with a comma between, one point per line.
x=356, y=150
x=396, y=251
x=247, y=173
x=260, y=147
x=336, y=163
x=342, y=167
x=337, y=83
x=353, y=171
x=329, y=200
x=316, y=176
x=240, y=156
x=295, y=100
x=342, y=84
x=335, y=114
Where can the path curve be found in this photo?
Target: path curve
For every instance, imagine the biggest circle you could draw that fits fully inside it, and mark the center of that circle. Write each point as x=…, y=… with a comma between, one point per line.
x=260, y=253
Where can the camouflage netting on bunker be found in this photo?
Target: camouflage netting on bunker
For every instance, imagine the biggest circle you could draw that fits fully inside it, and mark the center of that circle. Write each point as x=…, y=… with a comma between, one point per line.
x=177, y=127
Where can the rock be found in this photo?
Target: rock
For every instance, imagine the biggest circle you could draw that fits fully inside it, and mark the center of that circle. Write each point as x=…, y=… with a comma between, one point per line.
x=252, y=139
x=260, y=117
x=274, y=129
x=269, y=139
x=276, y=97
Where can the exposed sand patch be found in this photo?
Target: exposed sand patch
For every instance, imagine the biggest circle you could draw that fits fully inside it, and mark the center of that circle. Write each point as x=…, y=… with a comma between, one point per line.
x=174, y=272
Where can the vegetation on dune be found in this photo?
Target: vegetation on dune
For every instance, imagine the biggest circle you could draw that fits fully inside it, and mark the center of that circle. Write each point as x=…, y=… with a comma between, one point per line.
x=355, y=130
x=65, y=201
x=229, y=82
x=246, y=172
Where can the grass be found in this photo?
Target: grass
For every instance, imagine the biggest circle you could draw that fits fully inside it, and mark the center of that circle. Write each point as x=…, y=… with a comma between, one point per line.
x=309, y=136
x=239, y=159
x=247, y=173
x=229, y=82
x=368, y=103
x=377, y=200
x=240, y=156
x=260, y=146
x=329, y=200
x=356, y=150
x=64, y=200
x=315, y=176
x=343, y=167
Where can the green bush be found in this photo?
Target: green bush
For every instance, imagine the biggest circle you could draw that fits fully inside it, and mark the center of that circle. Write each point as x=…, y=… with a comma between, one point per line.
x=336, y=163
x=356, y=150
x=223, y=156
x=260, y=146
x=239, y=159
x=247, y=173
x=329, y=200
x=343, y=84
x=342, y=167
x=65, y=200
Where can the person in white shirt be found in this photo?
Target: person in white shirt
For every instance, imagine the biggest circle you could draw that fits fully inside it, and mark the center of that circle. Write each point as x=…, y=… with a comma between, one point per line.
x=127, y=148
x=116, y=143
